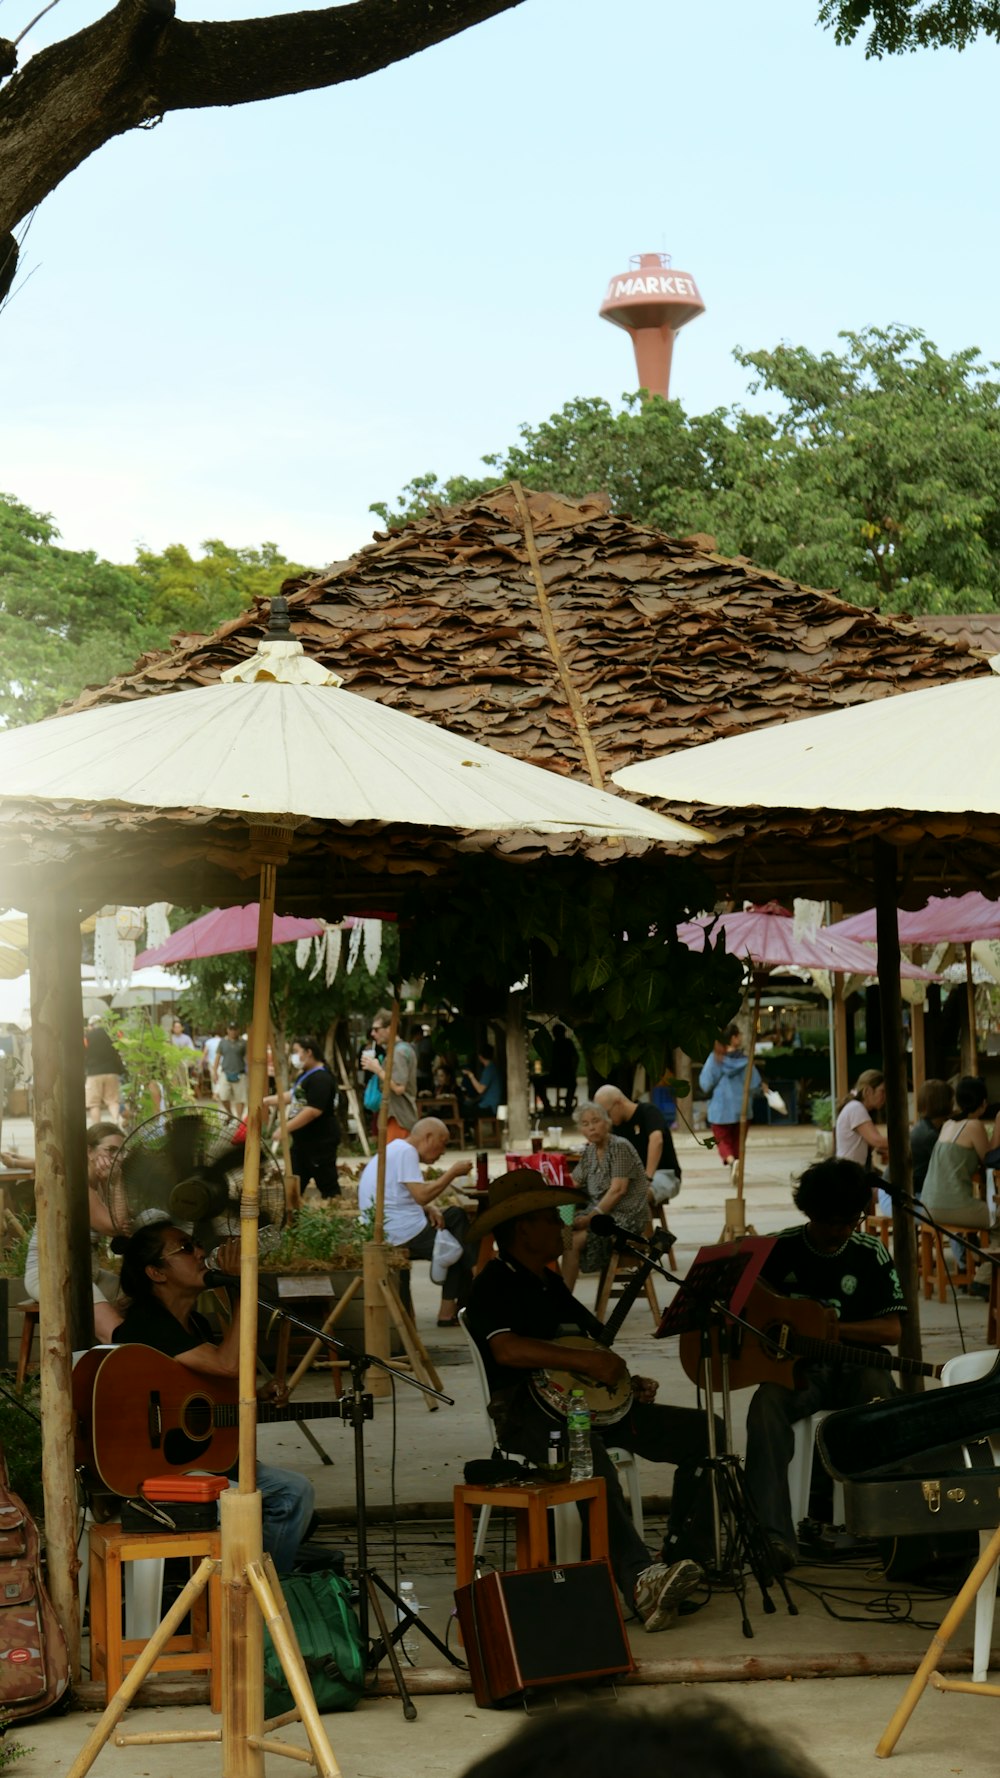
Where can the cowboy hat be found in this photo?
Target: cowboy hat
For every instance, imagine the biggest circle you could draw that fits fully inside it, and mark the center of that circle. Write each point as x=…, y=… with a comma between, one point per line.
x=517, y=1194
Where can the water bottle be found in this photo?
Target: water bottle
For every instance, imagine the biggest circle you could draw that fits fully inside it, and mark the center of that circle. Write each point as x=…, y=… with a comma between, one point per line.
x=409, y=1641
x=581, y=1460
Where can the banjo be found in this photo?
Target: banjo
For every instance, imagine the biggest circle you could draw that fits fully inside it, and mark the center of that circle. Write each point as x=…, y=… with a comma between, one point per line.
x=551, y=1388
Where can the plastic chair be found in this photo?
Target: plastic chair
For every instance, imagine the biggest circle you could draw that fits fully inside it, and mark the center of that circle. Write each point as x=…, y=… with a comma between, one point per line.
x=800, y=1471
x=567, y=1519
x=965, y=1369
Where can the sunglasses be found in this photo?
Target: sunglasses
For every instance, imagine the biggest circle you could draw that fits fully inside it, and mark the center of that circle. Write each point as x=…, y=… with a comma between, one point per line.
x=185, y=1247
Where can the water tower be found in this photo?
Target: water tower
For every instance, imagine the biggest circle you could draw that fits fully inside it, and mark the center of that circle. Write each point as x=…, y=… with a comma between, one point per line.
x=651, y=301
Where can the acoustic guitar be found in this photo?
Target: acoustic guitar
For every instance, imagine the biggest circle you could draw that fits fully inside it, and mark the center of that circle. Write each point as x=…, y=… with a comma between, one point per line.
x=139, y=1414
x=788, y=1331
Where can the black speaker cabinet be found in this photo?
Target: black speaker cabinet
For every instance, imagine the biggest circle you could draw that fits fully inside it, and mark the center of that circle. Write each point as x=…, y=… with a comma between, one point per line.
x=541, y=1626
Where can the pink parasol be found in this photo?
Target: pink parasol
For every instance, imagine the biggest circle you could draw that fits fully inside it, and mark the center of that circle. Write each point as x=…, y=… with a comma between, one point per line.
x=766, y=938
x=225, y=930
x=947, y=919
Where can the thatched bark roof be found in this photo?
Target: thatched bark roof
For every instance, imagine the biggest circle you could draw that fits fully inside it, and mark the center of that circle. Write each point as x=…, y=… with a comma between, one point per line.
x=581, y=641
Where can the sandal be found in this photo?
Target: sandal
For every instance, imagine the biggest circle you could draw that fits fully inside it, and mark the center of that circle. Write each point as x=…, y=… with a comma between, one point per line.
x=448, y=1321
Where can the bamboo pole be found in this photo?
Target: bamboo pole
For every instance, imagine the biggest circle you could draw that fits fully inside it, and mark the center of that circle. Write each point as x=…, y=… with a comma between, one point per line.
x=46, y=954
x=897, y=1120
x=841, y=1065
x=291, y=1665
x=241, y=1644
x=351, y=1090
x=519, y=1106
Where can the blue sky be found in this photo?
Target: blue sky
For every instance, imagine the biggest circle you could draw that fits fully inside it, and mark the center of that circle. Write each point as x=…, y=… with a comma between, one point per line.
x=250, y=324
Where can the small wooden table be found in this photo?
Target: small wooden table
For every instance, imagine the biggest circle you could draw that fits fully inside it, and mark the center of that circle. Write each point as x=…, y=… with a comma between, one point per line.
x=530, y=1502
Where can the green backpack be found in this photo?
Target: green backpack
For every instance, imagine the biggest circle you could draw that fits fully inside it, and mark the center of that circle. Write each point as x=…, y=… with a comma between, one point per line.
x=330, y=1639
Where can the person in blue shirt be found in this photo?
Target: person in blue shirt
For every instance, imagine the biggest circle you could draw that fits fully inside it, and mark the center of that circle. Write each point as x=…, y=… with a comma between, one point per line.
x=722, y=1078
x=481, y=1093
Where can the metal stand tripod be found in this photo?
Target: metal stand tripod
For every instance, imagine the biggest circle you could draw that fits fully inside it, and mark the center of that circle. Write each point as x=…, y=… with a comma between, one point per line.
x=355, y=1407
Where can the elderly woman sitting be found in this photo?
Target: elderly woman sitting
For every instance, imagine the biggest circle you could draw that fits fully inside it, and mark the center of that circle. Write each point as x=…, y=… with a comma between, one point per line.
x=614, y=1180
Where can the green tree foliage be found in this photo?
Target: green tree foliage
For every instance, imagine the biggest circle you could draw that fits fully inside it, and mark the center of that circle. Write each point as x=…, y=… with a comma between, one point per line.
x=66, y=617
x=876, y=473
x=185, y=592
x=69, y=619
x=897, y=25
x=222, y=987
x=598, y=944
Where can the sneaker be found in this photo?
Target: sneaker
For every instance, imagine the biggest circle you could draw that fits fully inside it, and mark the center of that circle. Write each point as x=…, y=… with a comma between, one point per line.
x=660, y=1589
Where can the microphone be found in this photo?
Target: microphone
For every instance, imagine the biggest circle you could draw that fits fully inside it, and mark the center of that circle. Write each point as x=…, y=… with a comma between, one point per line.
x=214, y=1280
x=622, y=1238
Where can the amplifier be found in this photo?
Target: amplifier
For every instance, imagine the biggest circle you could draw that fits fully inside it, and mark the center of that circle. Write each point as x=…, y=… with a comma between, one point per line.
x=541, y=1626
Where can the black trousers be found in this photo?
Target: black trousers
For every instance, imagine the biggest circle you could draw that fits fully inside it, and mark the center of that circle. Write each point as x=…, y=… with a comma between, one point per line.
x=319, y=1166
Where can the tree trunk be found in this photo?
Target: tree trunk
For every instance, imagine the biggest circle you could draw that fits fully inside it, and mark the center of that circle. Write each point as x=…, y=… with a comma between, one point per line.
x=54, y=957
x=518, y=1102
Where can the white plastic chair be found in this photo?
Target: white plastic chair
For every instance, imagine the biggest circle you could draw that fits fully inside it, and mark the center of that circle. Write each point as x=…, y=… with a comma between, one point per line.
x=567, y=1518
x=966, y=1368
x=800, y=1471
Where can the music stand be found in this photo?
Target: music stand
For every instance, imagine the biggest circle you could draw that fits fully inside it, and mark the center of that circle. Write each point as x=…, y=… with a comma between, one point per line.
x=708, y=1302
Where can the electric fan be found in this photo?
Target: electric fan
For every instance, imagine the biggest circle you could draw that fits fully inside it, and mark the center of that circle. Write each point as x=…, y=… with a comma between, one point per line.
x=184, y=1166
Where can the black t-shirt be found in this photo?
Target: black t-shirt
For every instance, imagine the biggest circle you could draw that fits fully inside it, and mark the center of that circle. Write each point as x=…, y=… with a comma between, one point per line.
x=507, y=1298
x=860, y=1281
x=320, y=1135
x=150, y=1324
x=638, y=1130
x=100, y=1056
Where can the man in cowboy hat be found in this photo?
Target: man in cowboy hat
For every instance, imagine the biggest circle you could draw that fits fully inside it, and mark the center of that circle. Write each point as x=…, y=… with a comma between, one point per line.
x=517, y=1309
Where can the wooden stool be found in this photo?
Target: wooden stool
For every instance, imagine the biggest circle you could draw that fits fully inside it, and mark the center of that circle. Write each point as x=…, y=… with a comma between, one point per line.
x=933, y=1264
x=30, y=1313
x=615, y=1278
x=111, y=1653
x=488, y=1132
x=530, y=1502
x=444, y=1106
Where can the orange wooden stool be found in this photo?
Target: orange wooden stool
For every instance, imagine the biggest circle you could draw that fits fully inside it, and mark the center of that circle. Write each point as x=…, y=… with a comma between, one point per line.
x=530, y=1502
x=934, y=1267
x=111, y=1653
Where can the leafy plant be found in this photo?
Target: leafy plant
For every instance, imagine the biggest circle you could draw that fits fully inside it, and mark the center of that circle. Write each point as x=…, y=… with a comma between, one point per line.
x=822, y=1112
x=10, y=1751
x=151, y=1060
x=318, y=1237
x=14, y=1252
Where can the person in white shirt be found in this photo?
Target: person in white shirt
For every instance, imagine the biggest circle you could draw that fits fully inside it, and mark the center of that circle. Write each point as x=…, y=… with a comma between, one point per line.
x=411, y=1216
x=858, y=1137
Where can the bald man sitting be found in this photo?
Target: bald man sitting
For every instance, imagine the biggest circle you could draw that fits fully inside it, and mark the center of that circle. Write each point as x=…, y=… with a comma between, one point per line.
x=649, y=1133
x=412, y=1218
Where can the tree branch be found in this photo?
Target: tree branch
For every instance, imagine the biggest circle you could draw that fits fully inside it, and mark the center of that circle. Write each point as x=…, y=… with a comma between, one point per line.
x=139, y=61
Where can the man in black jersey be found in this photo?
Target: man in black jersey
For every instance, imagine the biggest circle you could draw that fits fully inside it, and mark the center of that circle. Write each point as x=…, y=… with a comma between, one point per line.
x=852, y=1275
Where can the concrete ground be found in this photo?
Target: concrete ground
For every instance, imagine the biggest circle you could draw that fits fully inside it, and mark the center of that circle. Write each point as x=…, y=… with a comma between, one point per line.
x=844, y=1610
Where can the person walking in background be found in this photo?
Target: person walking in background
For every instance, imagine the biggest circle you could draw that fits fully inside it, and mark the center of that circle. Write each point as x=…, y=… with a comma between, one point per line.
x=402, y=1110
x=103, y=1069
x=722, y=1078
x=229, y=1077
x=649, y=1133
x=858, y=1137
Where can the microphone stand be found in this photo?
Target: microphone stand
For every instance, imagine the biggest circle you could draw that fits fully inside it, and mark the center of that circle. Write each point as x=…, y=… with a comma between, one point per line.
x=354, y=1409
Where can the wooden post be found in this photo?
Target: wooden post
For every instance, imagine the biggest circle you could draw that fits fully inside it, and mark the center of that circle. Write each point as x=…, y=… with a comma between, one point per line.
x=840, y=1058
x=917, y=1028
x=51, y=929
x=904, y=1245
x=241, y=1644
x=736, y=1223
x=519, y=1106
x=970, y=996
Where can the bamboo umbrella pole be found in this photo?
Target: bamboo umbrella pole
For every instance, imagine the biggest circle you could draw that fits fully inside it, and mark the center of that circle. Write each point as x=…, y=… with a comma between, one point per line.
x=970, y=995
x=375, y=1255
x=897, y=1121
